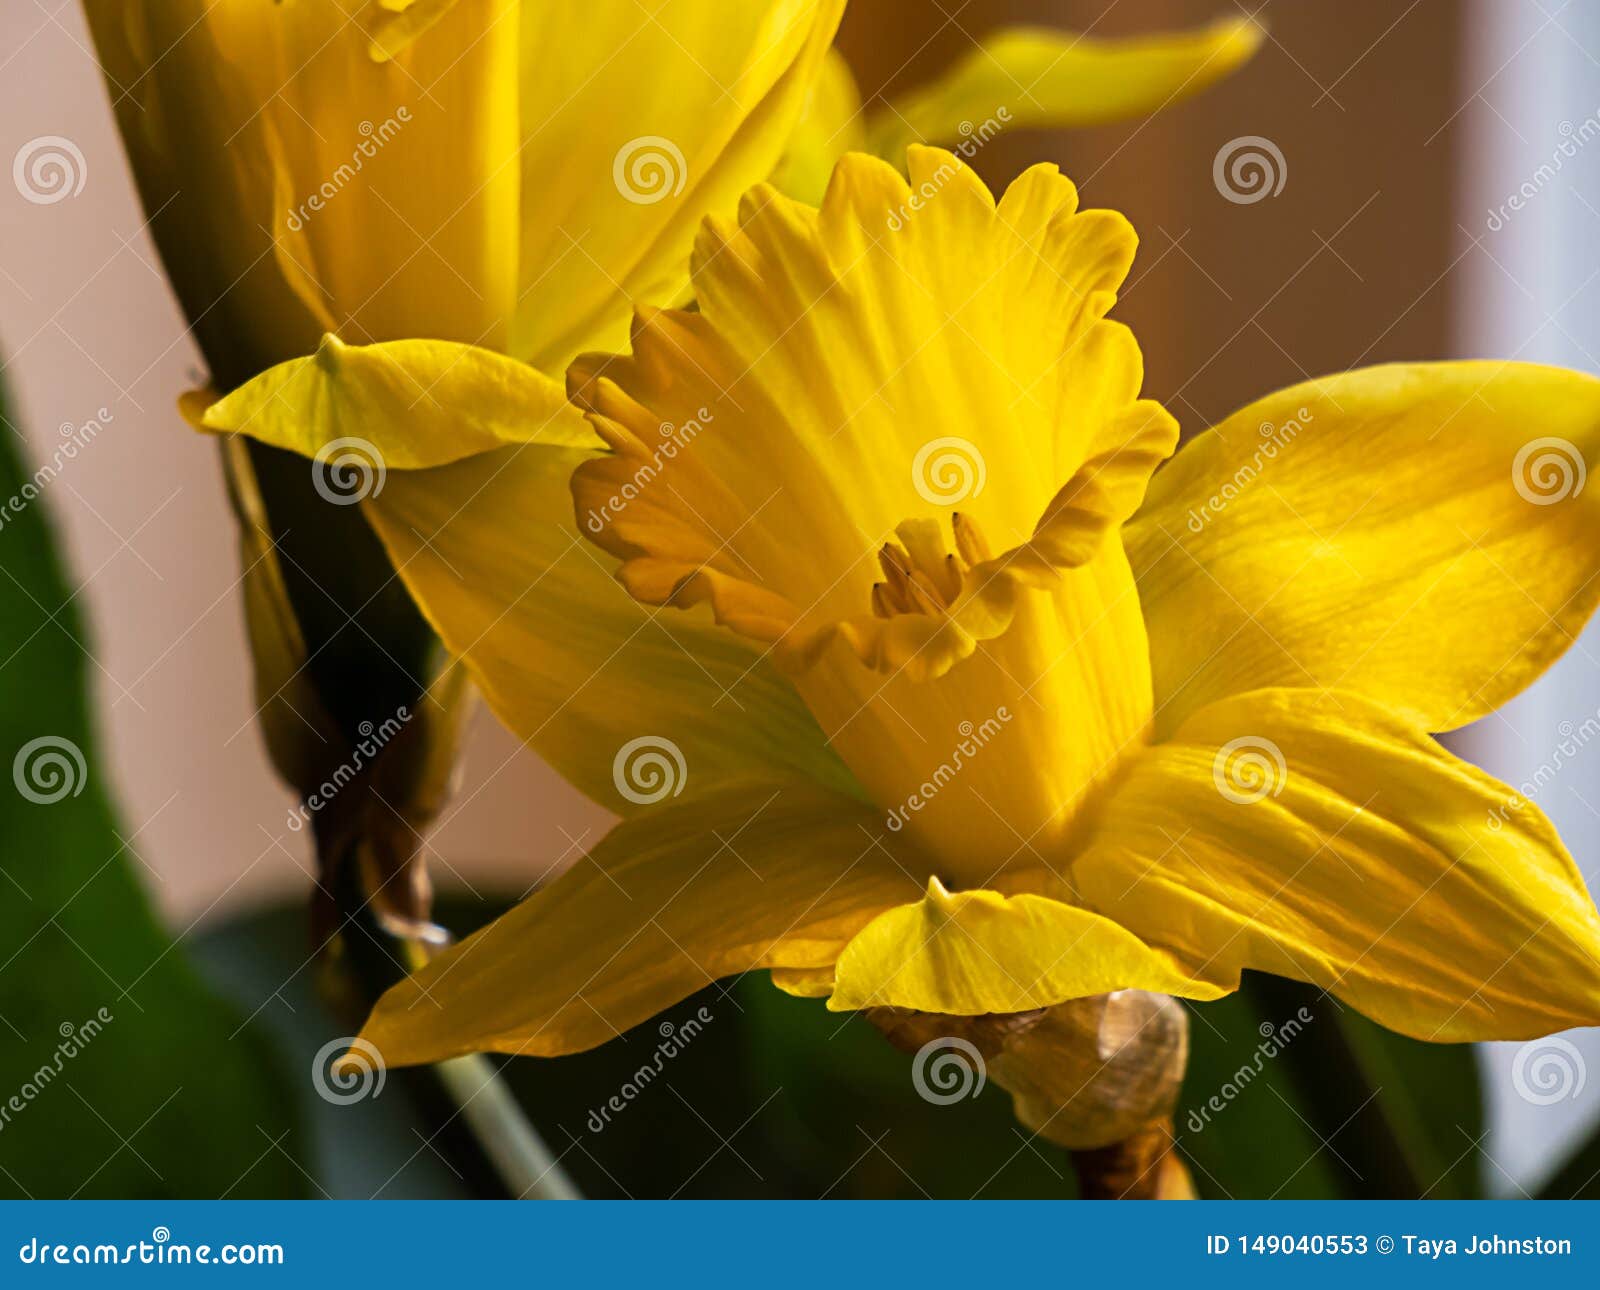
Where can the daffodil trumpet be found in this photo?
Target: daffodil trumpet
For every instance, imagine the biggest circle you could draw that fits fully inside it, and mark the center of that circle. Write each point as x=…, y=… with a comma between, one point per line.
x=1211, y=745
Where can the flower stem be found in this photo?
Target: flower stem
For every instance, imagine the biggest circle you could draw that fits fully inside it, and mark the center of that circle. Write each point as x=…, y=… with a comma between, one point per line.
x=515, y=1149
x=379, y=951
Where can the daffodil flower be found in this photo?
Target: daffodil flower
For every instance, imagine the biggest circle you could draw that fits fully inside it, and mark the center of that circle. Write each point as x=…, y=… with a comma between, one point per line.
x=518, y=175
x=1014, y=78
x=489, y=171
x=916, y=687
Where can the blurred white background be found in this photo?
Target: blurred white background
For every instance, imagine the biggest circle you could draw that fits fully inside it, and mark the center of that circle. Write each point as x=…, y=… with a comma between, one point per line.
x=1531, y=291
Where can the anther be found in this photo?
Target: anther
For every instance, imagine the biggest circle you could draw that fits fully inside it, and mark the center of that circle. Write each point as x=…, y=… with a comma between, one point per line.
x=970, y=541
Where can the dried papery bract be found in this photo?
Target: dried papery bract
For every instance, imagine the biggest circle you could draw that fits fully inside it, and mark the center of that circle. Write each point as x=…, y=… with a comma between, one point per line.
x=1099, y=1076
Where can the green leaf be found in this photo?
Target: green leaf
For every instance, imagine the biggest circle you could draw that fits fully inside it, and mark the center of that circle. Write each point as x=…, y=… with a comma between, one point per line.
x=740, y=1091
x=1431, y=1101
x=1346, y=1107
x=1240, y=1125
x=1579, y=1177
x=121, y=1074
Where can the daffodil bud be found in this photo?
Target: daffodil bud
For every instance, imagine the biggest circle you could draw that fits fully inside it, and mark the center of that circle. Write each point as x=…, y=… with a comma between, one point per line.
x=306, y=169
x=372, y=764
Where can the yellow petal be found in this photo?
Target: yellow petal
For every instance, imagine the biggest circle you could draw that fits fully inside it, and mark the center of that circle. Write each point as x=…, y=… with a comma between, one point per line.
x=1324, y=838
x=830, y=126
x=299, y=184
x=1036, y=77
x=638, y=122
x=805, y=983
x=755, y=875
x=566, y=658
x=410, y=403
x=978, y=951
x=1420, y=534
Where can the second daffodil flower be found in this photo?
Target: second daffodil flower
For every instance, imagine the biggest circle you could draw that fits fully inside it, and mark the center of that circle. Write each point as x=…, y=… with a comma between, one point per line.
x=491, y=171
x=956, y=704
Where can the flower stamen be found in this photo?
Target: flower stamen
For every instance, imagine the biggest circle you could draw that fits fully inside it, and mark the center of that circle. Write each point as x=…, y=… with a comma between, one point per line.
x=921, y=575
x=972, y=546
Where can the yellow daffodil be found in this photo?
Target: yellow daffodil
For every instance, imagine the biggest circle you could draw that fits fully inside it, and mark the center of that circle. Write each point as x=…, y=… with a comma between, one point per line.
x=518, y=176
x=513, y=176
x=1015, y=78
x=490, y=171
x=479, y=170
x=913, y=685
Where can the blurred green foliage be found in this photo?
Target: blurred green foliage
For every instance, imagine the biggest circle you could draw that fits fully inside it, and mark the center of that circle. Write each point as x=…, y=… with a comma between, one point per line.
x=752, y=1093
x=121, y=1074
x=1290, y=1094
